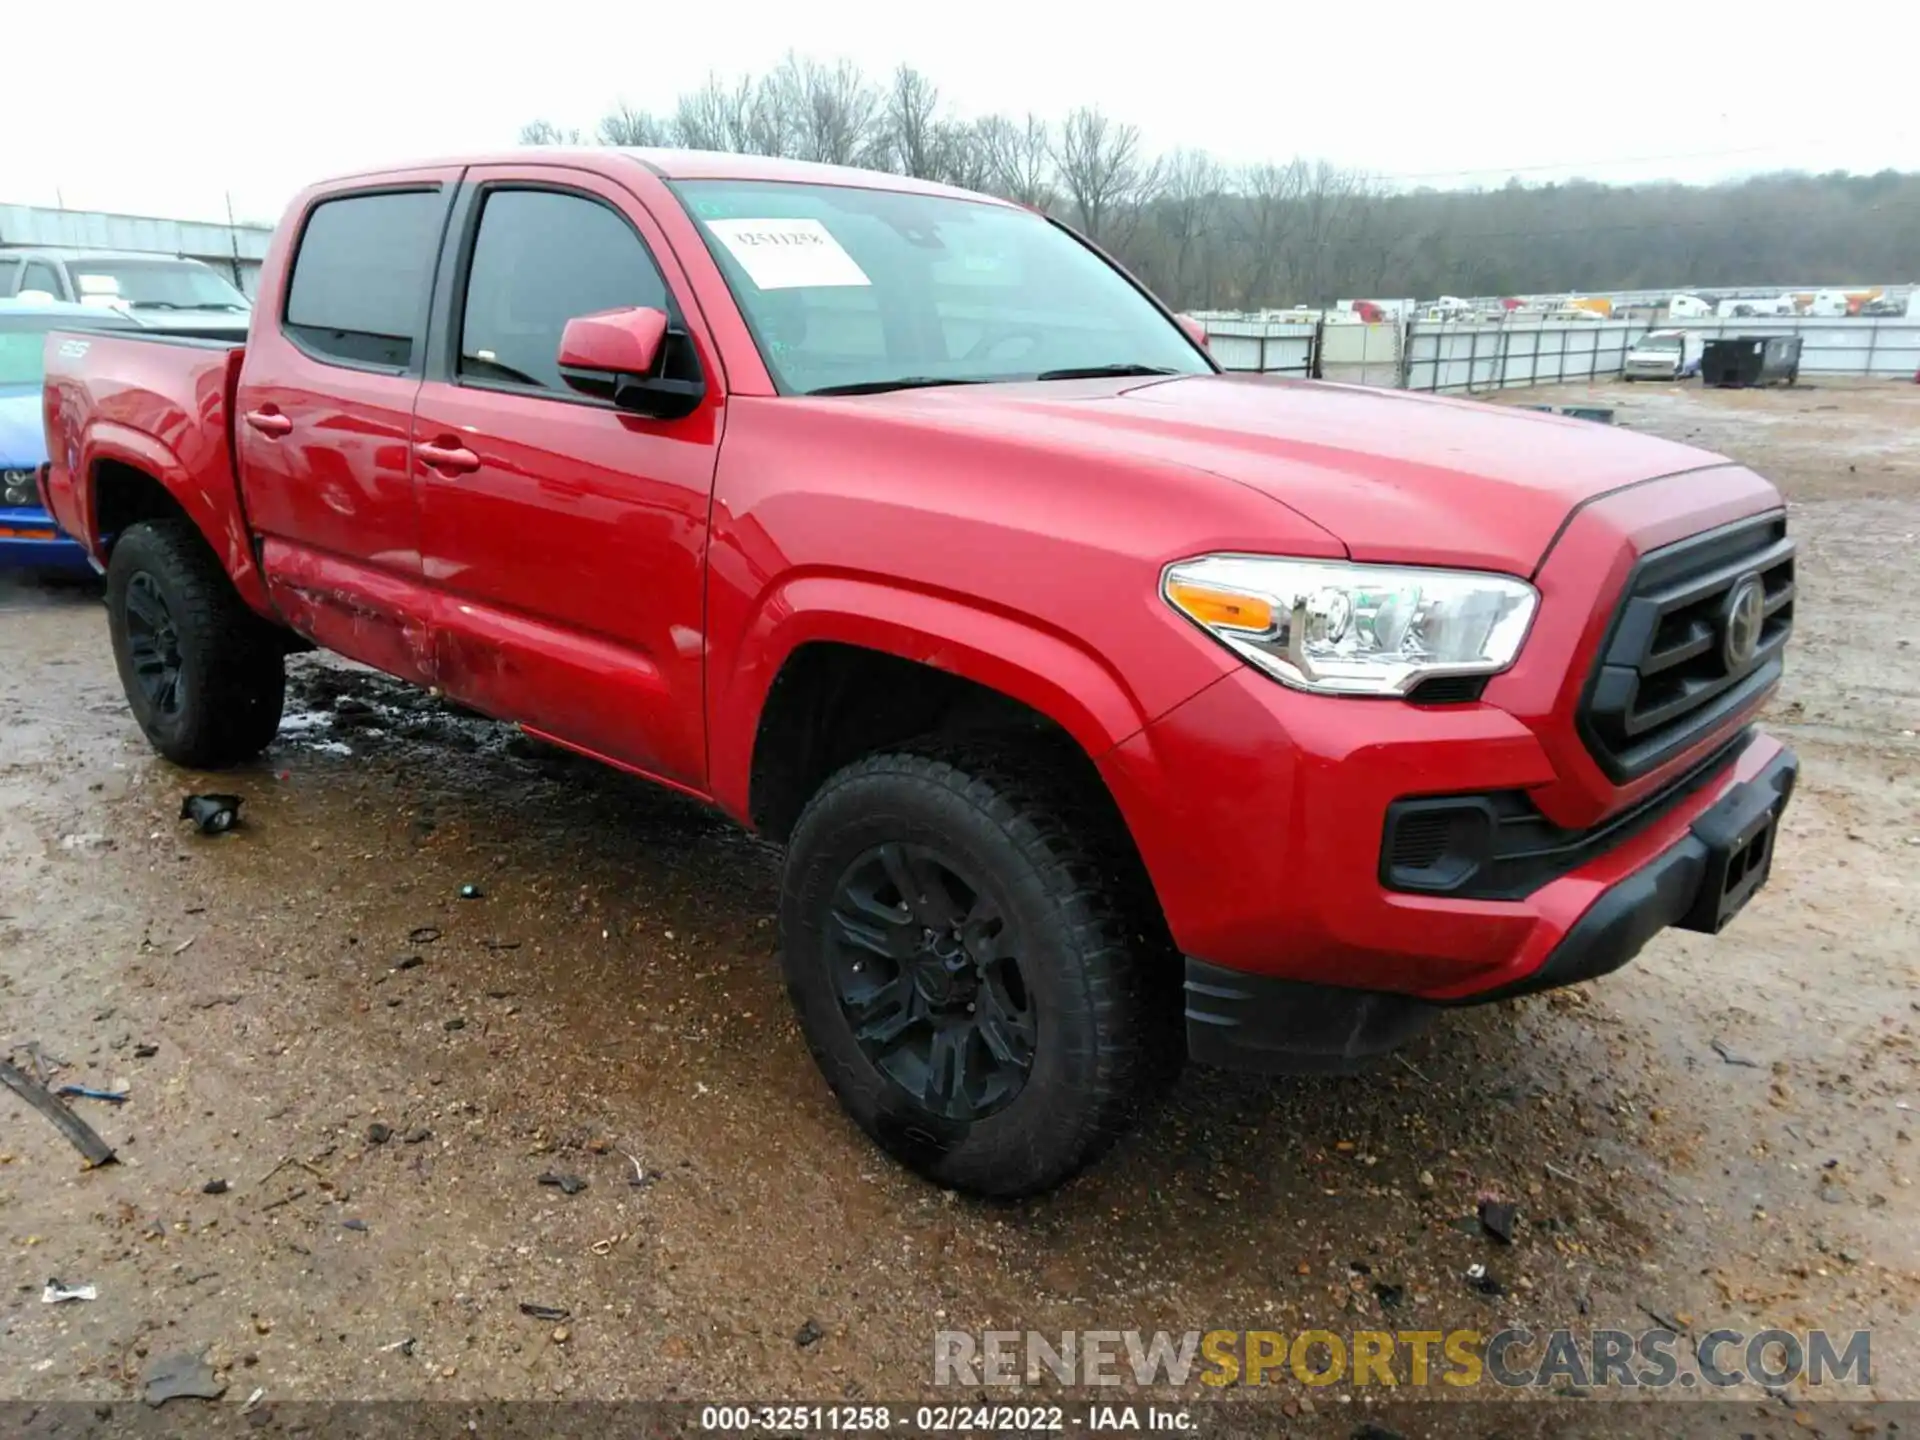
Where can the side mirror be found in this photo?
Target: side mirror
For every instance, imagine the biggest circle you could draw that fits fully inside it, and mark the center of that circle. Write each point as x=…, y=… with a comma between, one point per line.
x=1196, y=332
x=617, y=355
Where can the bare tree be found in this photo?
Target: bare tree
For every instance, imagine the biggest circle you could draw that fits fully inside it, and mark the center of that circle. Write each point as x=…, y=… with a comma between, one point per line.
x=717, y=116
x=1264, y=221
x=1189, y=199
x=912, y=134
x=1105, y=174
x=1019, y=159
x=831, y=110
x=545, y=132
x=624, y=125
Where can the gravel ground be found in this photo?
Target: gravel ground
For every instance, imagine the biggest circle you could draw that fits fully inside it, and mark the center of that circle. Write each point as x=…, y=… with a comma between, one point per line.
x=382, y=1071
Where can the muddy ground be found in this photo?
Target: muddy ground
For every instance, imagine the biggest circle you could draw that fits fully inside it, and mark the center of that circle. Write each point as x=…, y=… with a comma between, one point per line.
x=611, y=1009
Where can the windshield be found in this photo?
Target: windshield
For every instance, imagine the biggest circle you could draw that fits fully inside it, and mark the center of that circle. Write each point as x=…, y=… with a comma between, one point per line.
x=1660, y=342
x=23, y=343
x=852, y=289
x=154, y=284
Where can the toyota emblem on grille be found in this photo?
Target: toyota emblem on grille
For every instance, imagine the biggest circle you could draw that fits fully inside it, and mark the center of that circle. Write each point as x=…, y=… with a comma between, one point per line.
x=1746, y=612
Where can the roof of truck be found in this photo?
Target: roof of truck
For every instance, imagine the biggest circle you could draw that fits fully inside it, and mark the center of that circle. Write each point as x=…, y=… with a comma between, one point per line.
x=81, y=252
x=686, y=165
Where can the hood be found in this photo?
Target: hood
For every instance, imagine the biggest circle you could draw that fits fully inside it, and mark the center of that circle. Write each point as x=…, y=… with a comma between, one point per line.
x=1395, y=476
x=23, y=435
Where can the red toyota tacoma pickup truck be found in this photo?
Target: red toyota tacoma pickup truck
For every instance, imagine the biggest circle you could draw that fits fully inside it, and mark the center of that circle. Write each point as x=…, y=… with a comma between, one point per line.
x=1112, y=710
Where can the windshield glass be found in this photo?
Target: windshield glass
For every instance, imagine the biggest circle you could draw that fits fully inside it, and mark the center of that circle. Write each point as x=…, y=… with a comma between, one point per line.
x=154, y=284
x=23, y=342
x=864, y=289
x=1660, y=342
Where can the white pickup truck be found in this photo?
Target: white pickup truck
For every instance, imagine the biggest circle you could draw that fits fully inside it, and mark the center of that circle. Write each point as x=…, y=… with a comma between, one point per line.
x=1664, y=355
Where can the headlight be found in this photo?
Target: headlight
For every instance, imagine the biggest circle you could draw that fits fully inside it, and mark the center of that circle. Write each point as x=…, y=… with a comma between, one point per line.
x=17, y=488
x=1341, y=629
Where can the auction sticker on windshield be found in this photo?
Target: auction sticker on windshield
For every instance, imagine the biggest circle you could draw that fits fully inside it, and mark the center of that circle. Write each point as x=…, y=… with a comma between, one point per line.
x=788, y=254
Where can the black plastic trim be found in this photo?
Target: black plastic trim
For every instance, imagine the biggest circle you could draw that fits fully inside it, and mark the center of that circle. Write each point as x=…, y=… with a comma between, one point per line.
x=1268, y=1026
x=1674, y=889
x=1498, y=846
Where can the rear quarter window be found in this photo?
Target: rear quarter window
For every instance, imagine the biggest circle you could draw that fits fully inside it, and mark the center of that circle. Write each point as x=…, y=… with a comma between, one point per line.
x=359, y=289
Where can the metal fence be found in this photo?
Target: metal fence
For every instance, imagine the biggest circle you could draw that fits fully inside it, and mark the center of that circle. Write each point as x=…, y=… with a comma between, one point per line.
x=1451, y=356
x=1455, y=357
x=1888, y=349
x=1266, y=347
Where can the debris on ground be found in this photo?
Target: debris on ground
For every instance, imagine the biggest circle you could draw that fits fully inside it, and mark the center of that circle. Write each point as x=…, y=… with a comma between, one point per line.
x=181, y=1377
x=809, y=1334
x=1726, y=1053
x=211, y=814
x=549, y=1313
x=58, y=1291
x=215, y=1187
x=80, y=1135
x=1391, y=1297
x=145, y=1051
x=405, y=1347
x=1480, y=1279
x=378, y=1134
x=408, y=962
x=420, y=1134
x=1497, y=1219
x=472, y=892
x=424, y=934
x=87, y=1092
x=565, y=1184
x=359, y=1225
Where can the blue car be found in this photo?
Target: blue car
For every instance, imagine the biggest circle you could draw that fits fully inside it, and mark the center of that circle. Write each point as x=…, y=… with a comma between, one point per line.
x=30, y=543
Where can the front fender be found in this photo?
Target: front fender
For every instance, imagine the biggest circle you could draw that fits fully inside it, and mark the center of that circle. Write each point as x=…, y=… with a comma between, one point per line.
x=1046, y=670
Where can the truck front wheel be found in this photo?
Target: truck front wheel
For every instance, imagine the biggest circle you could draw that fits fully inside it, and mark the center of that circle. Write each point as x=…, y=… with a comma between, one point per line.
x=204, y=676
x=966, y=975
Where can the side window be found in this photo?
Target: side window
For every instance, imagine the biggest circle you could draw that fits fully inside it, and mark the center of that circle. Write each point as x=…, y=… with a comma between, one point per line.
x=540, y=258
x=360, y=282
x=9, y=276
x=42, y=276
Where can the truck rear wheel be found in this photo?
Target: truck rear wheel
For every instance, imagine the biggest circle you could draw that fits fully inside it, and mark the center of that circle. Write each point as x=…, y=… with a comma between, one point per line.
x=965, y=972
x=204, y=675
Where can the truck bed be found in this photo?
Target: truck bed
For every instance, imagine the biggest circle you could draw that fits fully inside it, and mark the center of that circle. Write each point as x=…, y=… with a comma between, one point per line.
x=159, y=403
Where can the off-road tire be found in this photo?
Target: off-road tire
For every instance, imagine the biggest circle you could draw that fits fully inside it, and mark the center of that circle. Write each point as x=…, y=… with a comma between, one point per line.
x=1101, y=974
x=232, y=678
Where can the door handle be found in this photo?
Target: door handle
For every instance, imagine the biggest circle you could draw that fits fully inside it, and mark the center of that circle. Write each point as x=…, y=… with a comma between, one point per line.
x=270, y=423
x=455, y=459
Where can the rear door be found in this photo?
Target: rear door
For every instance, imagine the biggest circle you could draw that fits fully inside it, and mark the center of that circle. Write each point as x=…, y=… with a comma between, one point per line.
x=324, y=415
x=567, y=542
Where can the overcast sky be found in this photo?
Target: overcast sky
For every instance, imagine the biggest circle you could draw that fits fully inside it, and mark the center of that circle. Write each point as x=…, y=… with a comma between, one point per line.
x=165, y=109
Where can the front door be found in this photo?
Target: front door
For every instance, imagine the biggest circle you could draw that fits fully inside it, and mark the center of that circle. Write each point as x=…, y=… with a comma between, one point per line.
x=564, y=537
x=324, y=416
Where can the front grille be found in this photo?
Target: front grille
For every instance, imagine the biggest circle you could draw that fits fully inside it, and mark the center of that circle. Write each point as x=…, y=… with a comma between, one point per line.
x=1680, y=660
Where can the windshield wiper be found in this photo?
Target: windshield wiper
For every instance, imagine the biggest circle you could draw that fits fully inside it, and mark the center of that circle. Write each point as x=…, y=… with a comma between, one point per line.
x=905, y=382
x=1100, y=372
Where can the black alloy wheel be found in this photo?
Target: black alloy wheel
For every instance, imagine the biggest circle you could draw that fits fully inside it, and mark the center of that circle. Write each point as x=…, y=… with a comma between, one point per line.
x=927, y=971
x=153, y=645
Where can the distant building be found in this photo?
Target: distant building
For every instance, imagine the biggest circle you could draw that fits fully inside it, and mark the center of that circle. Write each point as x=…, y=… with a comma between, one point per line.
x=234, y=250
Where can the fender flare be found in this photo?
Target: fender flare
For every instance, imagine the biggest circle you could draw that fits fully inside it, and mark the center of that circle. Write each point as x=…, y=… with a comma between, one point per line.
x=1041, y=668
x=216, y=516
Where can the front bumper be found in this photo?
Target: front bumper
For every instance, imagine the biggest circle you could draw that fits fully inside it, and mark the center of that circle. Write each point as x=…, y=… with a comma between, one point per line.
x=31, y=543
x=1242, y=1021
